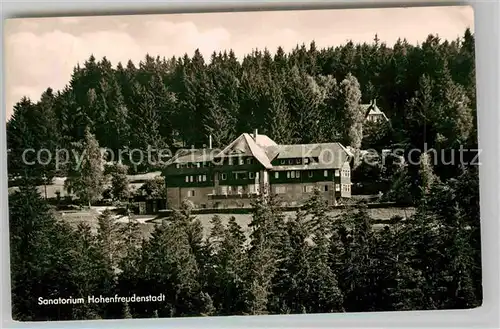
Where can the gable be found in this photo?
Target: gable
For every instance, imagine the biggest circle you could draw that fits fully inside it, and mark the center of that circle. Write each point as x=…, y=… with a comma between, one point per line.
x=245, y=145
x=239, y=148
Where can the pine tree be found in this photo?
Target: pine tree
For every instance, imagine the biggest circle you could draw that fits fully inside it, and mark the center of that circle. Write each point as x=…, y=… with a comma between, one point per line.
x=304, y=102
x=267, y=220
x=225, y=268
x=40, y=254
x=426, y=174
x=221, y=118
x=169, y=265
x=126, y=311
x=279, y=124
x=291, y=290
x=90, y=272
x=108, y=238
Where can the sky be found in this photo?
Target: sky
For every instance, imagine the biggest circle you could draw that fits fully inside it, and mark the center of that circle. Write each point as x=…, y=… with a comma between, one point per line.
x=42, y=52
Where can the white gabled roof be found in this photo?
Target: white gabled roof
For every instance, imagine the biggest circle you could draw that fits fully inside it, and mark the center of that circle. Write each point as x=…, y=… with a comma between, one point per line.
x=246, y=145
x=373, y=109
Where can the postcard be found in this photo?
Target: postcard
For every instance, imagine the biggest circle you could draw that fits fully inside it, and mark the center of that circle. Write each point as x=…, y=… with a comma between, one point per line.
x=243, y=163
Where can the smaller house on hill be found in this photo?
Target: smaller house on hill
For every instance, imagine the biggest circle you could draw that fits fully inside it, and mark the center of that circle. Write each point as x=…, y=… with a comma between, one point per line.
x=373, y=112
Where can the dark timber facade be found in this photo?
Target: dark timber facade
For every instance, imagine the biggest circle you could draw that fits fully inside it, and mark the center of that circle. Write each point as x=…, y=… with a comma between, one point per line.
x=254, y=164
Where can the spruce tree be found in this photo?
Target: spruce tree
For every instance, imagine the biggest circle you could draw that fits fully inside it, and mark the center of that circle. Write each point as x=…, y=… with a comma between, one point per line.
x=40, y=257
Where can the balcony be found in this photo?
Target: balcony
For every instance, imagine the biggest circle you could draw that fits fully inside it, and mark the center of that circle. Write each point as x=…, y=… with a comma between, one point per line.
x=232, y=196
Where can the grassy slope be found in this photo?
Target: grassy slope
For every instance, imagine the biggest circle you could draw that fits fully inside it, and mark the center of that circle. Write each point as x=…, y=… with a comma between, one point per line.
x=90, y=217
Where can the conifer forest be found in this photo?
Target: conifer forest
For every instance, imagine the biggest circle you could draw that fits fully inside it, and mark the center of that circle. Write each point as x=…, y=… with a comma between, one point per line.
x=311, y=262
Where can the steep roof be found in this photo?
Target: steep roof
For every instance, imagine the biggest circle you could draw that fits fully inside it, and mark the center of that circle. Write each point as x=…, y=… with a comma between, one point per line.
x=329, y=154
x=373, y=109
x=265, y=150
x=246, y=145
x=264, y=141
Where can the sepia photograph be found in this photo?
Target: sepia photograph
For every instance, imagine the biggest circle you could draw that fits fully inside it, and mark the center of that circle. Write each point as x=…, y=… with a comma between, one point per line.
x=242, y=163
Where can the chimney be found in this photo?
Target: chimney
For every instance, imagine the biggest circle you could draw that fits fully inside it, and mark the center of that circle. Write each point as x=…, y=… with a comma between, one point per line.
x=210, y=141
x=374, y=102
x=255, y=133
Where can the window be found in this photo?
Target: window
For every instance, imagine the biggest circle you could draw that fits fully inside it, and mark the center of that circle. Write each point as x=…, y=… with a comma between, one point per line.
x=200, y=178
x=325, y=173
x=177, y=166
x=306, y=161
x=223, y=190
x=204, y=178
x=223, y=176
x=240, y=175
x=191, y=178
x=337, y=187
x=346, y=187
x=187, y=179
x=240, y=189
x=280, y=189
x=297, y=174
x=298, y=161
x=290, y=161
x=308, y=188
x=337, y=173
x=241, y=161
x=251, y=175
x=198, y=165
x=283, y=162
x=287, y=174
x=249, y=161
x=326, y=188
x=310, y=173
x=230, y=161
x=276, y=175
x=292, y=174
x=190, y=193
